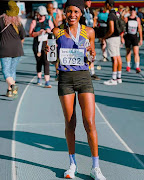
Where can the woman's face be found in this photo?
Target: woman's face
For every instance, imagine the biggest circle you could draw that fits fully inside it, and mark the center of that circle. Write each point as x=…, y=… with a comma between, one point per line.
x=40, y=17
x=73, y=15
x=133, y=12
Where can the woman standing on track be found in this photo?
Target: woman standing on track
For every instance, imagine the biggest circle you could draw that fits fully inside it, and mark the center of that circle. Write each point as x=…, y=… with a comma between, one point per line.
x=37, y=28
x=11, y=39
x=133, y=24
x=74, y=76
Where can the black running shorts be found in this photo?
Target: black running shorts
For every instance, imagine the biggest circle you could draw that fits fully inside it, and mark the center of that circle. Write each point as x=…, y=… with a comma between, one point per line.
x=131, y=40
x=70, y=82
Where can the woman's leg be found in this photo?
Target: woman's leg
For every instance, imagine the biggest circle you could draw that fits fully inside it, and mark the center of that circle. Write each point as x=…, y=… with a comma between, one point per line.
x=128, y=57
x=6, y=70
x=46, y=67
x=87, y=104
x=14, y=64
x=136, y=58
x=68, y=103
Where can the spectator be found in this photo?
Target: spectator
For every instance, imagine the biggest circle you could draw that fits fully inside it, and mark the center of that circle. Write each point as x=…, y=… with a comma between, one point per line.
x=58, y=12
x=11, y=38
x=140, y=14
x=102, y=29
x=38, y=27
x=51, y=14
x=133, y=24
x=113, y=45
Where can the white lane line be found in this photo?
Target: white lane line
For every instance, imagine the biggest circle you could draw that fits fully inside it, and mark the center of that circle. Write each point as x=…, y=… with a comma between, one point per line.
x=119, y=138
x=14, y=129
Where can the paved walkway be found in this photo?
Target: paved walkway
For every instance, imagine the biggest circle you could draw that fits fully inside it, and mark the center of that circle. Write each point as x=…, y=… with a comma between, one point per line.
x=38, y=151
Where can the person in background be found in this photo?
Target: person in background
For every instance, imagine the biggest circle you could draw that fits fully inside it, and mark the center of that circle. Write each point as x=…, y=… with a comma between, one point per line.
x=102, y=30
x=89, y=20
x=127, y=12
x=113, y=41
x=11, y=45
x=38, y=27
x=133, y=25
x=53, y=16
x=59, y=12
x=140, y=14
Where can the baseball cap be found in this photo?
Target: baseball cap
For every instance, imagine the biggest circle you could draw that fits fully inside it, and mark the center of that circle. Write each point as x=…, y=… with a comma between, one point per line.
x=42, y=10
x=132, y=8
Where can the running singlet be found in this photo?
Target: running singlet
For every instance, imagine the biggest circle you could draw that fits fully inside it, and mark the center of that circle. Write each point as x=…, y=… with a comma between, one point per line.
x=72, y=56
x=132, y=26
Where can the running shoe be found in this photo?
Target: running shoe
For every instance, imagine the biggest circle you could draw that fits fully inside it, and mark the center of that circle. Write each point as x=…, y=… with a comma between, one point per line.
x=110, y=82
x=96, y=174
x=128, y=69
x=71, y=172
x=47, y=85
x=95, y=77
x=119, y=81
x=14, y=89
x=138, y=70
x=9, y=93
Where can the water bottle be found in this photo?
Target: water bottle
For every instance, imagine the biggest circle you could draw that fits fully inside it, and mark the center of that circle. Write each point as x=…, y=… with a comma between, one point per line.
x=52, y=54
x=87, y=44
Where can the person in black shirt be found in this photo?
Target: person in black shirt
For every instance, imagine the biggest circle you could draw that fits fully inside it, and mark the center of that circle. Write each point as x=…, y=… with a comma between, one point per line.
x=11, y=38
x=112, y=38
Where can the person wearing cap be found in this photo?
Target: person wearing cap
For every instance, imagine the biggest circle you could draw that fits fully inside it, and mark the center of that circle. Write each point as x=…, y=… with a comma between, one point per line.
x=38, y=29
x=74, y=77
x=113, y=41
x=53, y=16
x=89, y=20
x=133, y=25
x=11, y=39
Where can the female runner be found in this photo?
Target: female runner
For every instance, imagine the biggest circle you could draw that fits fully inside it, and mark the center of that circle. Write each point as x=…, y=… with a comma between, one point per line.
x=74, y=77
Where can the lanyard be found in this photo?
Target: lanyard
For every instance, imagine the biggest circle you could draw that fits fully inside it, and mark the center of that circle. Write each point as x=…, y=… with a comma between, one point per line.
x=76, y=40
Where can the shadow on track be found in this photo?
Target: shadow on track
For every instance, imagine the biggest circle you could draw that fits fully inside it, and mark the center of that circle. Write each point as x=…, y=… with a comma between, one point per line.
x=59, y=144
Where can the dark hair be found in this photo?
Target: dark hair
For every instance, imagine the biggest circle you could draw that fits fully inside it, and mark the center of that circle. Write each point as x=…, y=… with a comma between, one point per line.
x=110, y=2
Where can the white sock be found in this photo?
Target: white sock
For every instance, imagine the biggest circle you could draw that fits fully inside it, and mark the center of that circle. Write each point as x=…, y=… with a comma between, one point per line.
x=128, y=64
x=114, y=75
x=92, y=71
x=119, y=74
x=137, y=64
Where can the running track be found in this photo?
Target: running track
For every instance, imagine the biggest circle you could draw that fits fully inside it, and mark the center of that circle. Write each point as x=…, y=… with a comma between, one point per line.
x=32, y=140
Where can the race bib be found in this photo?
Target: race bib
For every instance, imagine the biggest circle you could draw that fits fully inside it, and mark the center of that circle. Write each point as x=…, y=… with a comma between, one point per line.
x=71, y=56
x=43, y=37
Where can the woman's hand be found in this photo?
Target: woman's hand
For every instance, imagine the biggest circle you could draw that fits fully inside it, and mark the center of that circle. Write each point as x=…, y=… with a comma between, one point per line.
x=92, y=53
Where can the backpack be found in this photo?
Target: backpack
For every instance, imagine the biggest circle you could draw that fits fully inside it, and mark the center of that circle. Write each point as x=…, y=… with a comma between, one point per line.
x=120, y=25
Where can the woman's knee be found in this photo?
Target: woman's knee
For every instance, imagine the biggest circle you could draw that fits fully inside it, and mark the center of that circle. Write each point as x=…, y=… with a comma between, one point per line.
x=89, y=125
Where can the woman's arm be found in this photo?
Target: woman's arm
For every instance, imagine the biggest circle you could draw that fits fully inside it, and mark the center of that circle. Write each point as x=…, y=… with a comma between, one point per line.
x=31, y=30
